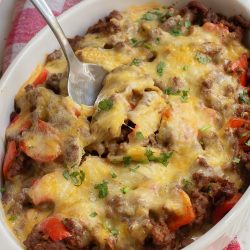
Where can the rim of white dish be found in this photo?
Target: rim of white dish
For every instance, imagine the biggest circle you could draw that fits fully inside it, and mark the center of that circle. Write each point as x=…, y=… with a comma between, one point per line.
x=206, y=239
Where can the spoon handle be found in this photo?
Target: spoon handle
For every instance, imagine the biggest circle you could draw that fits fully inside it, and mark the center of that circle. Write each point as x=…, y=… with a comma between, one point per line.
x=46, y=12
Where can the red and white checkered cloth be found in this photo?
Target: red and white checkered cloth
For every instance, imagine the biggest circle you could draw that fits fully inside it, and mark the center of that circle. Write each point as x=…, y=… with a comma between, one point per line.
x=27, y=22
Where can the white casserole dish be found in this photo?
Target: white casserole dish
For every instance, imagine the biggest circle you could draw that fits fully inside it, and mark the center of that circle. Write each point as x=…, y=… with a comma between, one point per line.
x=76, y=21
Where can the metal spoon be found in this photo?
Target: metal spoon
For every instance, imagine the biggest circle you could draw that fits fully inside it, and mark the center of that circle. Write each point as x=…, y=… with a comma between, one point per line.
x=84, y=80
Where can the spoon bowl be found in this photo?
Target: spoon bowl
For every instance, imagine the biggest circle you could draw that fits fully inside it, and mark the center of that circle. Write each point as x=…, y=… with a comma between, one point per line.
x=84, y=79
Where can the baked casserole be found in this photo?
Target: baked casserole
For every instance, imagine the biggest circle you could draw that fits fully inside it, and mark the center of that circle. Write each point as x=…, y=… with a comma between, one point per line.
x=161, y=157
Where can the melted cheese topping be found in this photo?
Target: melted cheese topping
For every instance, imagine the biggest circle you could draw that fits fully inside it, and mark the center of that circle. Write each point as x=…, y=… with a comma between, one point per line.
x=138, y=94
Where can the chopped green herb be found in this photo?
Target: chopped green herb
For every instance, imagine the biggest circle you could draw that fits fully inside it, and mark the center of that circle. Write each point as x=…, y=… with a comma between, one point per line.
x=2, y=189
x=158, y=40
x=248, y=143
x=105, y=104
x=124, y=190
x=160, y=68
x=205, y=128
x=148, y=16
x=187, y=24
x=244, y=97
x=133, y=41
x=66, y=174
x=171, y=91
x=202, y=58
x=13, y=218
x=136, y=62
x=139, y=135
x=236, y=160
x=94, y=214
x=182, y=93
x=155, y=14
x=150, y=154
x=175, y=32
x=148, y=46
x=113, y=175
x=163, y=158
x=178, y=29
x=109, y=228
x=185, y=67
x=103, y=189
x=133, y=169
x=114, y=231
x=76, y=177
x=187, y=184
x=127, y=160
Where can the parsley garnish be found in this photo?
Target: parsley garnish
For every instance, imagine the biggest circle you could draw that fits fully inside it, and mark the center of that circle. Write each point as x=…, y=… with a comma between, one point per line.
x=160, y=68
x=187, y=24
x=76, y=177
x=113, y=231
x=205, y=128
x=244, y=97
x=127, y=160
x=163, y=158
x=175, y=32
x=156, y=13
x=105, y=104
x=113, y=175
x=182, y=93
x=2, y=189
x=157, y=40
x=248, y=143
x=148, y=46
x=202, y=58
x=13, y=218
x=136, y=62
x=236, y=160
x=187, y=184
x=124, y=190
x=150, y=154
x=94, y=214
x=185, y=67
x=139, y=135
x=103, y=189
x=134, y=169
x=171, y=91
x=148, y=16
x=134, y=41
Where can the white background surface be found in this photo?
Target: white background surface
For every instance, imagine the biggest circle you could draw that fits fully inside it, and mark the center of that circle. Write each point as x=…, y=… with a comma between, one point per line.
x=6, y=13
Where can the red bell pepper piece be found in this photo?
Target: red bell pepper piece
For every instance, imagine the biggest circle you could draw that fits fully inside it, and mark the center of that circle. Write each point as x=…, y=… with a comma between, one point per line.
x=10, y=156
x=41, y=78
x=53, y=227
x=238, y=122
x=25, y=125
x=38, y=144
x=222, y=209
x=217, y=28
x=177, y=221
x=239, y=68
